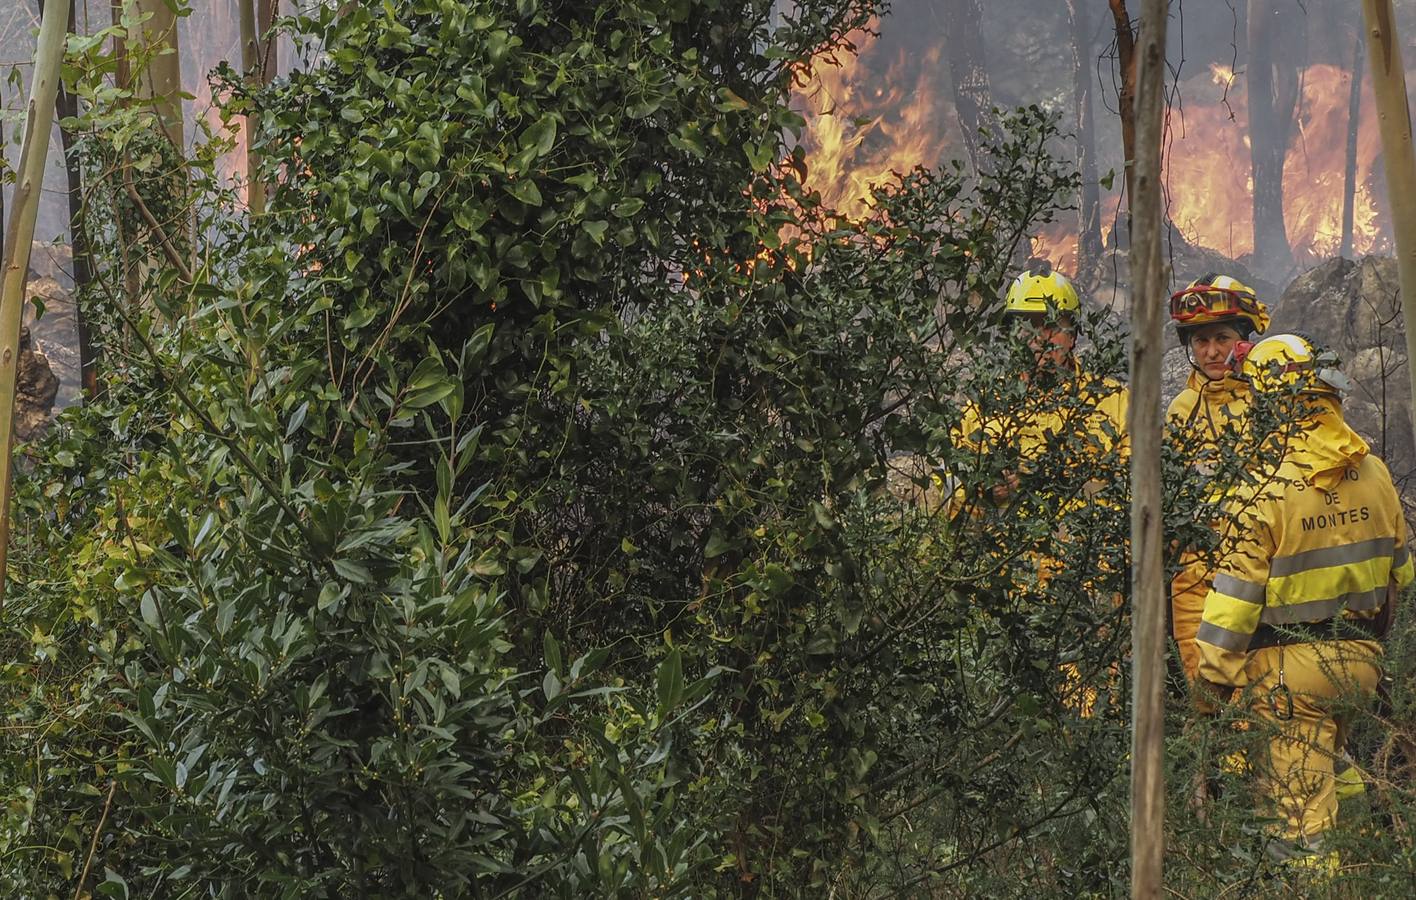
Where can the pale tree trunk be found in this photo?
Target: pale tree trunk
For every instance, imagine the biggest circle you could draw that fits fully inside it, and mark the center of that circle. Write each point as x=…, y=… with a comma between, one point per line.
x=1392, y=108
x=1089, y=209
x=161, y=82
x=1349, y=175
x=259, y=59
x=19, y=237
x=1277, y=38
x=1144, y=427
x=251, y=65
x=973, y=97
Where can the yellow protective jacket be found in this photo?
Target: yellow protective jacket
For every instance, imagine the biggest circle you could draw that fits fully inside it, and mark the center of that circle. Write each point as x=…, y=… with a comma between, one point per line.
x=1323, y=538
x=1026, y=433
x=1206, y=409
x=1196, y=419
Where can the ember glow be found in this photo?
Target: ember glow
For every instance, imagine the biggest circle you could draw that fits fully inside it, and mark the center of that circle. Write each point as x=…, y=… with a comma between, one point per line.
x=884, y=112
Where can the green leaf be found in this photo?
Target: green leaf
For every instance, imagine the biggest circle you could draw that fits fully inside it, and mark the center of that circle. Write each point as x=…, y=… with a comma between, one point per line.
x=148, y=607
x=550, y=649
x=541, y=136
x=670, y=682
x=525, y=190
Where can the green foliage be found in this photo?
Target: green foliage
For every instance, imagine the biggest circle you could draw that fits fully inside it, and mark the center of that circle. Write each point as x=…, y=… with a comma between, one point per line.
x=538, y=500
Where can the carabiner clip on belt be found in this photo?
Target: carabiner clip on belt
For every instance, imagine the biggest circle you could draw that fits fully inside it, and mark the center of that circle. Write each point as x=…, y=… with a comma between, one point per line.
x=1281, y=690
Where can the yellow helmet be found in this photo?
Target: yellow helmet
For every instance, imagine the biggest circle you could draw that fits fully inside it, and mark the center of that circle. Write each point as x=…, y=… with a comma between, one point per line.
x=1212, y=299
x=1290, y=362
x=1041, y=291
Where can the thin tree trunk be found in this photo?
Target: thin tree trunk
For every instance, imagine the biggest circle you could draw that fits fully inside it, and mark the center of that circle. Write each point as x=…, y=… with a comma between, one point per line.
x=1089, y=209
x=251, y=68
x=1275, y=57
x=19, y=237
x=161, y=82
x=1144, y=426
x=1389, y=94
x=266, y=12
x=1126, y=95
x=68, y=107
x=973, y=97
x=1354, y=121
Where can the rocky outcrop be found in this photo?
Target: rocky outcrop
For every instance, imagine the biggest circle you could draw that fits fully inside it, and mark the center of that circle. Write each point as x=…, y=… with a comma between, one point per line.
x=52, y=318
x=1354, y=308
x=35, y=389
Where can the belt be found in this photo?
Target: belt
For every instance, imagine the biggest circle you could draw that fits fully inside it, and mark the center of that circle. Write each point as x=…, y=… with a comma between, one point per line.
x=1340, y=628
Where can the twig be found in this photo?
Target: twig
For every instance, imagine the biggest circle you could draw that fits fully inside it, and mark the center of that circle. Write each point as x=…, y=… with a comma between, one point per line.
x=93, y=844
x=157, y=230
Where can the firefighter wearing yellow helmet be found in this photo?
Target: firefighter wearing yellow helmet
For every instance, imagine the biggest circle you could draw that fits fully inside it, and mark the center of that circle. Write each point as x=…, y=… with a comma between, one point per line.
x=1043, y=303
x=1212, y=314
x=1067, y=409
x=1299, y=605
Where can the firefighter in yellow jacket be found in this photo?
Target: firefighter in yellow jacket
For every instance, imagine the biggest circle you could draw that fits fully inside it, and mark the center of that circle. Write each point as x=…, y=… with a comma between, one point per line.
x=1211, y=315
x=1299, y=605
x=1067, y=412
x=1045, y=303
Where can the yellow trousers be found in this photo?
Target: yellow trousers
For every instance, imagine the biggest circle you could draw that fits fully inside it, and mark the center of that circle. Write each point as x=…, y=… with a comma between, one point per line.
x=1295, y=777
x=1187, y=607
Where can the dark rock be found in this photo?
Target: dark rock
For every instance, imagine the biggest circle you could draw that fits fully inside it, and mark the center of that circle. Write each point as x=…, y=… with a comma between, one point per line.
x=35, y=389
x=1353, y=307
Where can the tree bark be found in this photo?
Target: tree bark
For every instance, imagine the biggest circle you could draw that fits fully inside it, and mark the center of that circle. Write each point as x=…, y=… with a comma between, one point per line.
x=1089, y=208
x=1277, y=41
x=1144, y=426
x=973, y=97
x=1392, y=108
x=160, y=82
x=1354, y=121
x=19, y=237
x=1126, y=95
x=251, y=66
x=68, y=107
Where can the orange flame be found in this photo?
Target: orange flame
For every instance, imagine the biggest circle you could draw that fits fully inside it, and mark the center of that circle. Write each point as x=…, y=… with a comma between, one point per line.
x=863, y=127
x=874, y=114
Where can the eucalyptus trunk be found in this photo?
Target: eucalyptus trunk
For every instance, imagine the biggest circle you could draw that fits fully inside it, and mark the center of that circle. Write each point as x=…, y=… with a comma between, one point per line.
x=1126, y=95
x=1277, y=37
x=1089, y=209
x=1349, y=174
x=160, y=81
x=19, y=237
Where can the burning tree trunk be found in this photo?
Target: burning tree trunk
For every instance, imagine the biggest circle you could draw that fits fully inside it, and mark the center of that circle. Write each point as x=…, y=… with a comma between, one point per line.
x=973, y=98
x=1277, y=46
x=1089, y=211
x=1354, y=117
x=1126, y=95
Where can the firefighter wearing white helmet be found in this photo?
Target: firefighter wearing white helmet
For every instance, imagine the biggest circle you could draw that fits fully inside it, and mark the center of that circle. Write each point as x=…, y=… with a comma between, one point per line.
x=1300, y=604
x=1211, y=315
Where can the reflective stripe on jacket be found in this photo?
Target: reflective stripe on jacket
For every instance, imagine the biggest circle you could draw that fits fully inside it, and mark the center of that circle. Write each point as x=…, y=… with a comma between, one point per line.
x=1304, y=554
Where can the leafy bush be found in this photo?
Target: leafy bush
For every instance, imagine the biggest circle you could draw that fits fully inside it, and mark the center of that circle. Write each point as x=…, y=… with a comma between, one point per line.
x=539, y=499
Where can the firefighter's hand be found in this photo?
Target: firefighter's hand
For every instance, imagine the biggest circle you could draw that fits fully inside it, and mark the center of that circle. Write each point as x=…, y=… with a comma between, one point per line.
x=1003, y=491
x=1219, y=692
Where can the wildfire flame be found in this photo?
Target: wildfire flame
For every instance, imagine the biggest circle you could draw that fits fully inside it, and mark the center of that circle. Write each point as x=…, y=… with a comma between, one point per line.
x=875, y=114
x=868, y=118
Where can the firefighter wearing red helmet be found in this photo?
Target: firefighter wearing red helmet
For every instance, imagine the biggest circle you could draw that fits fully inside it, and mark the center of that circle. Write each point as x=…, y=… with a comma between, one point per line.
x=1211, y=315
